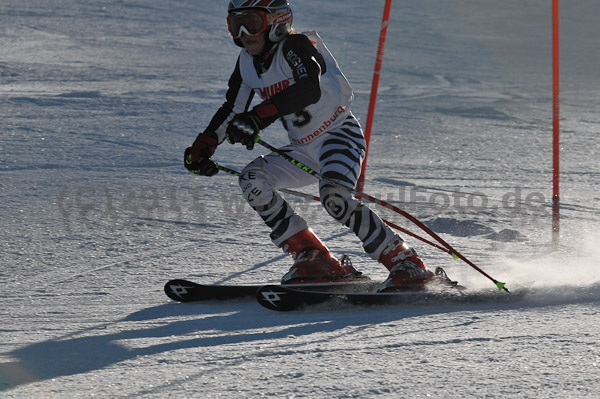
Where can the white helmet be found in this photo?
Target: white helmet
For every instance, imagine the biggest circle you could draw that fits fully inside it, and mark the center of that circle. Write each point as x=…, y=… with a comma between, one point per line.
x=274, y=16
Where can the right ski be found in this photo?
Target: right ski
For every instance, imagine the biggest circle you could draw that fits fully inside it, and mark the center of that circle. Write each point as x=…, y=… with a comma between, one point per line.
x=187, y=291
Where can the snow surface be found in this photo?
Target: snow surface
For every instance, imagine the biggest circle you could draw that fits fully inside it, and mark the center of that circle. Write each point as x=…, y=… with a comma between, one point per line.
x=98, y=101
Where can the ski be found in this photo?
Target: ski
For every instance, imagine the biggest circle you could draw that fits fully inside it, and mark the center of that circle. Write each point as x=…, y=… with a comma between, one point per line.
x=187, y=291
x=285, y=298
x=281, y=298
x=332, y=294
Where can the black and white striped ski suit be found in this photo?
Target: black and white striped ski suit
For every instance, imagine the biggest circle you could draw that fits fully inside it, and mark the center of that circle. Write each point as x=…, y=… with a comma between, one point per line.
x=301, y=84
x=337, y=155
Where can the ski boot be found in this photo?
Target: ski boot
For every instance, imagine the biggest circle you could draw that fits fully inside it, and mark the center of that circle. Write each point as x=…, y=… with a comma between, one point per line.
x=313, y=263
x=407, y=271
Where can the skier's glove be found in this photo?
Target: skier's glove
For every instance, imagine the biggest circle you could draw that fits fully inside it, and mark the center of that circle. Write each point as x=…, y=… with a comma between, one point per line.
x=197, y=157
x=203, y=166
x=244, y=128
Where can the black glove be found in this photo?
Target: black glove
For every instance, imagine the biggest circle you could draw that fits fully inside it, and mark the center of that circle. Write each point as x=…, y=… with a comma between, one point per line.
x=197, y=157
x=244, y=128
x=203, y=166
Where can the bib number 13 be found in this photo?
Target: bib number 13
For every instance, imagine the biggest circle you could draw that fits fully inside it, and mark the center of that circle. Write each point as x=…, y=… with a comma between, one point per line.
x=303, y=117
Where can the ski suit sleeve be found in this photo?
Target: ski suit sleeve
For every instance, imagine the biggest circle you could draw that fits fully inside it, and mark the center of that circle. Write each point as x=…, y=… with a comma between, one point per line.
x=307, y=66
x=237, y=100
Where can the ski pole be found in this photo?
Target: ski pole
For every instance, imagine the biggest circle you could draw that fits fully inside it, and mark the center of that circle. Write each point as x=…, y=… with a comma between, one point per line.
x=316, y=198
x=361, y=195
x=392, y=225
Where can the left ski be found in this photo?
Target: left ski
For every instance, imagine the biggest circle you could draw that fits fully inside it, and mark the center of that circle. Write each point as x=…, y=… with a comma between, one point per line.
x=283, y=298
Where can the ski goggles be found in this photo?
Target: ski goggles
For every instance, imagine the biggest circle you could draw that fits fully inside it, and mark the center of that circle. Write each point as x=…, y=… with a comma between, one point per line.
x=254, y=22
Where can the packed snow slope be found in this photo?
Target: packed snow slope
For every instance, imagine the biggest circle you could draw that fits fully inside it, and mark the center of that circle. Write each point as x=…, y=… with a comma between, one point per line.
x=98, y=101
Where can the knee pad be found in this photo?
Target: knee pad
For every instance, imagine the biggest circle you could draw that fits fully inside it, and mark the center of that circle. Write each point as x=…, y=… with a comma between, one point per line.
x=256, y=184
x=338, y=202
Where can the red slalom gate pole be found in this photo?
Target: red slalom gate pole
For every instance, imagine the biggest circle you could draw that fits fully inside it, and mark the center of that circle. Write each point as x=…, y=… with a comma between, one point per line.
x=318, y=199
x=374, y=86
x=360, y=195
x=392, y=225
x=555, y=126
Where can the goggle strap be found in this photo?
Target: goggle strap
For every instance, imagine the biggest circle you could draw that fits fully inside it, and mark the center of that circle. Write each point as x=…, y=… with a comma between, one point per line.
x=278, y=18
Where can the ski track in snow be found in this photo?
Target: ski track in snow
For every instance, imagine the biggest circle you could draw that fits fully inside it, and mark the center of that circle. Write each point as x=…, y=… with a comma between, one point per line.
x=98, y=102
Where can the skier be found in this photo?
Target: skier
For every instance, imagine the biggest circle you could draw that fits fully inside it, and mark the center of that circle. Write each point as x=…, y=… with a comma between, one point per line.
x=301, y=84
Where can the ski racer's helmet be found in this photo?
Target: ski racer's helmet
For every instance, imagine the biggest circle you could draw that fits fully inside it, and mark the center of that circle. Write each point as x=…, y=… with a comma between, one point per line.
x=254, y=17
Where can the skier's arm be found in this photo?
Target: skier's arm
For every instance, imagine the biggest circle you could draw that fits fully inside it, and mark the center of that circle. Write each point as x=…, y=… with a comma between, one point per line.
x=307, y=66
x=238, y=98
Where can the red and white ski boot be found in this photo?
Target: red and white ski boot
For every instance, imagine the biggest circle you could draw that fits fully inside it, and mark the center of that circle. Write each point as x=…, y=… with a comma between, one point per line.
x=407, y=271
x=313, y=263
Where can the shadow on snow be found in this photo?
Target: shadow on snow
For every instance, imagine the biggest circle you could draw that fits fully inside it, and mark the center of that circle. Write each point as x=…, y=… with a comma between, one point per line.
x=235, y=322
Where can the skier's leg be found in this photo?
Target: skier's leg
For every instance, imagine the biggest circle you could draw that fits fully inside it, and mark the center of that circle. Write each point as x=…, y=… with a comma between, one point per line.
x=340, y=158
x=259, y=182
